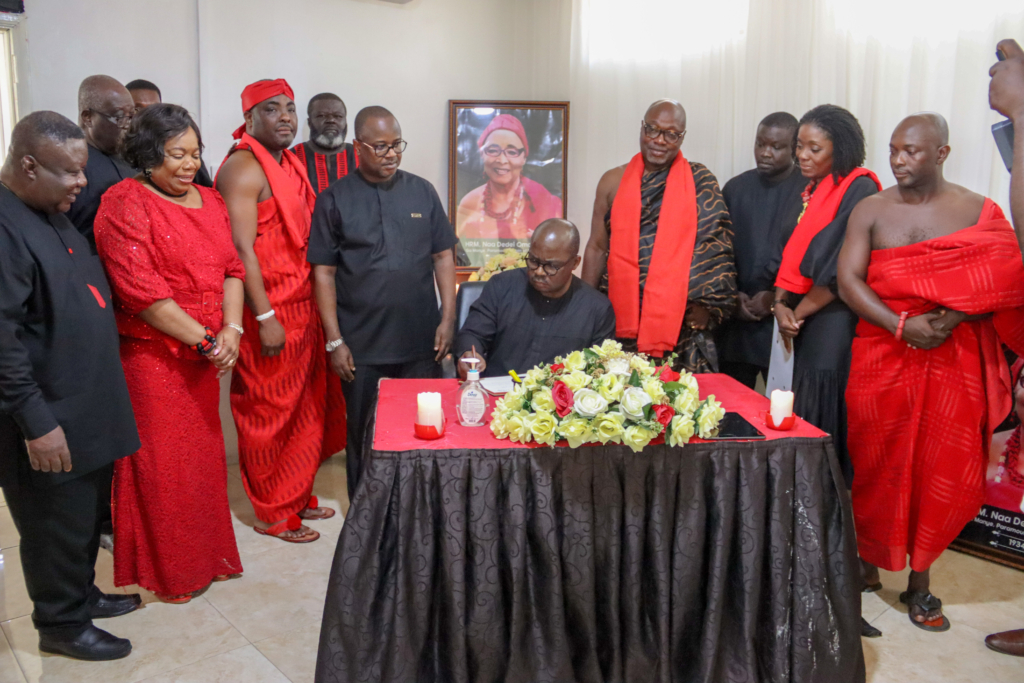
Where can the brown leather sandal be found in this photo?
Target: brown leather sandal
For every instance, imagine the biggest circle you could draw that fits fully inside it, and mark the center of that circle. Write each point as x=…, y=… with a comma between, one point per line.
x=292, y=523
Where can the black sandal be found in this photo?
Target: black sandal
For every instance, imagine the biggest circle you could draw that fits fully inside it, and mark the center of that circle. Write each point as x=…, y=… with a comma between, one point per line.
x=871, y=587
x=927, y=602
x=867, y=630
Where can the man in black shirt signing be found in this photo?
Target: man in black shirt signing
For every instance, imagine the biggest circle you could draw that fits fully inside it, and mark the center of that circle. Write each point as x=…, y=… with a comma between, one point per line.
x=530, y=315
x=378, y=241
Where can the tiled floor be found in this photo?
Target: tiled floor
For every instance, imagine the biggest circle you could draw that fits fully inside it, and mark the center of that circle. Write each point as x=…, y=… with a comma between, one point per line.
x=264, y=627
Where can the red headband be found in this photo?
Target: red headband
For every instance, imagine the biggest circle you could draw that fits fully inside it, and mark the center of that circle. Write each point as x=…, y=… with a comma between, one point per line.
x=260, y=91
x=504, y=122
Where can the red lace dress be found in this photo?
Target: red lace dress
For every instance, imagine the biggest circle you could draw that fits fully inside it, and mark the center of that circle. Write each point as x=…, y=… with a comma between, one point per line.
x=172, y=523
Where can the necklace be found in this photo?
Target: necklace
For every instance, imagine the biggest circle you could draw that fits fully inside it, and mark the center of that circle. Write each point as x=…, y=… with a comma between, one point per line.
x=1009, y=461
x=805, y=197
x=162, y=191
x=514, y=209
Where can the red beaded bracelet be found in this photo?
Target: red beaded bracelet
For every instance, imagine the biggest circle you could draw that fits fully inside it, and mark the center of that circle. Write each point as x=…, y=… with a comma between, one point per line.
x=208, y=343
x=899, y=328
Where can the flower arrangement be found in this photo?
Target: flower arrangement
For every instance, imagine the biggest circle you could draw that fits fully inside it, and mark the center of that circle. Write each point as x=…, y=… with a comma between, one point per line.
x=605, y=395
x=510, y=259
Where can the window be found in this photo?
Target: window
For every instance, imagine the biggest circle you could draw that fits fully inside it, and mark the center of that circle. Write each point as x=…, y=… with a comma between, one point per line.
x=8, y=97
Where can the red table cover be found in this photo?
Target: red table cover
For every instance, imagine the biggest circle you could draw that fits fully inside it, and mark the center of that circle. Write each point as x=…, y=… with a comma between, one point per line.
x=396, y=414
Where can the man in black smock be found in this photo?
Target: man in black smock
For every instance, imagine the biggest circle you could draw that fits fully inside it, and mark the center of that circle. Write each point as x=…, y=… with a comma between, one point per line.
x=378, y=240
x=528, y=316
x=105, y=110
x=764, y=204
x=62, y=390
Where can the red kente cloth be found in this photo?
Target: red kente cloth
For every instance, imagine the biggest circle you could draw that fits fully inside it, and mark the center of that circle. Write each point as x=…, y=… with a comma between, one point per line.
x=819, y=212
x=288, y=409
x=920, y=422
x=172, y=523
x=656, y=327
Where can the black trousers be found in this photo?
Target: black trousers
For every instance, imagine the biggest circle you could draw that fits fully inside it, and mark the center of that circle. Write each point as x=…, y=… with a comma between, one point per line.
x=60, y=538
x=360, y=396
x=745, y=373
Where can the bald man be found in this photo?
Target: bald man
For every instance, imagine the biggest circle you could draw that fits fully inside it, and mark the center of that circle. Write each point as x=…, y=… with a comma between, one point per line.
x=934, y=272
x=105, y=110
x=65, y=414
x=528, y=316
x=661, y=246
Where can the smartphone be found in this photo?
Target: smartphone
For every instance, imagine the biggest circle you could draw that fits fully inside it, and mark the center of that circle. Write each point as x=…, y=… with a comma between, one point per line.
x=734, y=427
x=1003, y=132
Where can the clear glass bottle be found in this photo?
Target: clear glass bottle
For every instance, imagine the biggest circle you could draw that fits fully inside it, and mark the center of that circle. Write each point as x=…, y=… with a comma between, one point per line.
x=472, y=406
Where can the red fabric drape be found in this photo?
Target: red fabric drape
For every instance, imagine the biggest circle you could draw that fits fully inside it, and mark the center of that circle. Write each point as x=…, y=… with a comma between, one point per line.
x=257, y=92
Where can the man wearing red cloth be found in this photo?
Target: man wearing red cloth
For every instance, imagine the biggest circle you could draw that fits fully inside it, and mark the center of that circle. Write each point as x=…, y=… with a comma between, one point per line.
x=661, y=246
x=326, y=155
x=289, y=416
x=935, y=274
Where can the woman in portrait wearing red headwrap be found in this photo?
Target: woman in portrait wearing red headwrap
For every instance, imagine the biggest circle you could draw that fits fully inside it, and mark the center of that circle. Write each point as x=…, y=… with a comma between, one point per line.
x=1005, y=482
x=509, y=205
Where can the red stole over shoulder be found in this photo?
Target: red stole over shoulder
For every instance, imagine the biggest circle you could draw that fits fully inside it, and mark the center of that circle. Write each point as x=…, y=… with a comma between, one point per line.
x=656, y=327
x=296, y=208
x=820, y=211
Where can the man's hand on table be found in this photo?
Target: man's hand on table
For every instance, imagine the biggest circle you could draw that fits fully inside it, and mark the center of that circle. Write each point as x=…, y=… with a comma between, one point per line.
x=343, y=364
x=481, y=366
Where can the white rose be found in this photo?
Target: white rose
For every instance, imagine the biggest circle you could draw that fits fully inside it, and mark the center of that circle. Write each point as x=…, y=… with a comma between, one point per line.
x=632, y=403
x=588, y=403
x=618, y=366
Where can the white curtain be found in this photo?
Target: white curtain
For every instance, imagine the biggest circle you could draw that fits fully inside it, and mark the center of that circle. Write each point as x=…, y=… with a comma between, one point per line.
x=732, y=62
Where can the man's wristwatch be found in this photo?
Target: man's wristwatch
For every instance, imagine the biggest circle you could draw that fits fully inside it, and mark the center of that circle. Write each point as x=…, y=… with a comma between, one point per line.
x=331, y=345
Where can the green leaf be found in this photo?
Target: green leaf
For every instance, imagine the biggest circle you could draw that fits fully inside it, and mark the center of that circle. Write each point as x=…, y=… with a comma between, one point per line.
x=634, y=379
x=672, y=386
x=700, y=409
x=649, y=412
x=590, y=355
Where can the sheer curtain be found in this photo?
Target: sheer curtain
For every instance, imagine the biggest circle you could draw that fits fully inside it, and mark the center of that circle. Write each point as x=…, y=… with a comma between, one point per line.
x=731, y=62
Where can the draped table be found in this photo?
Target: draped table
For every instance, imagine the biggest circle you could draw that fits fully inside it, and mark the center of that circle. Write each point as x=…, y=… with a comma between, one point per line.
x=471, y=558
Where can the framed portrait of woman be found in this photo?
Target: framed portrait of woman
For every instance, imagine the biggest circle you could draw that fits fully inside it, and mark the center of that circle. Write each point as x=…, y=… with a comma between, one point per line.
x=506, y=172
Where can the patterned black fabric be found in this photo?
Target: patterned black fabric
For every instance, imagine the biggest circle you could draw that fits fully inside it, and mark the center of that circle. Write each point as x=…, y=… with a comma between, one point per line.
x=724, y=562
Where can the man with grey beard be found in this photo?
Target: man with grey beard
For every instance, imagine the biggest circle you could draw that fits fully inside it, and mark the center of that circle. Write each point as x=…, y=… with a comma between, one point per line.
x=326, y=155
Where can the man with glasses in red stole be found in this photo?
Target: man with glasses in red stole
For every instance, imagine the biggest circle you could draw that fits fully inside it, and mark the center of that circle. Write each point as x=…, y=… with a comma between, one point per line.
x=671, y=292
x=280, y=398
x=379, y=242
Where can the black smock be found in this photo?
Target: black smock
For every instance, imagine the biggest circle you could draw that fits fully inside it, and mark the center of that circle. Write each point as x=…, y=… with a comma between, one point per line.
x=381, y=237
x=764, y=213
x=103, y=171
x=515, y=327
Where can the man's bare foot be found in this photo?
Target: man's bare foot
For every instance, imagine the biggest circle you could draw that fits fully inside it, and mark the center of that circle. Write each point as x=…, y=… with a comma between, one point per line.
x=290, y=530
x=314, y=512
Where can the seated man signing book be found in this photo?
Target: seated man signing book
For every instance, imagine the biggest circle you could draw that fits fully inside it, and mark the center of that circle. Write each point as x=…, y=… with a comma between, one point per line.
x=530, y=315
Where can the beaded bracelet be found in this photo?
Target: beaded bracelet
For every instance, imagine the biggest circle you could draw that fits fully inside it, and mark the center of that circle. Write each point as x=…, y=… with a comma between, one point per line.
x=208, y=344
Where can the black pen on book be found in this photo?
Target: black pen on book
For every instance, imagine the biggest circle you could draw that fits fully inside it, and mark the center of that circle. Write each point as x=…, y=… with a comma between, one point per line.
x=1003, y=131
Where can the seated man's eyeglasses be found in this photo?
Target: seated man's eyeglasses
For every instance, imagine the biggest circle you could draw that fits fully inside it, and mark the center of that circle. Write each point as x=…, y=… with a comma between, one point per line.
x=119, y=120
x=511, y=152
x=550, y=268
x=652, y=133
x=381, y=149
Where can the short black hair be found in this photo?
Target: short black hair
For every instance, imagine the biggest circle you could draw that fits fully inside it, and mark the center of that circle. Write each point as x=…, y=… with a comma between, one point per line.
x=843, y=129
x=143, y=144
x=42, y=124
x=143, y=84
x=321, y=97
x=780, y=119
x=371, y=112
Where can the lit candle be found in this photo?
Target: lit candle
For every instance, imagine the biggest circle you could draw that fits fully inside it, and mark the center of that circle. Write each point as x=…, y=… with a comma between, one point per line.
x=782, y=405
x=428, y=410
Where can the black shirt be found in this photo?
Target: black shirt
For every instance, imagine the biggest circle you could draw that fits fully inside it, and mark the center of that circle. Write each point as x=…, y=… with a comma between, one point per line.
x=59, y=359
x=764, y=213
x=381, y=237
x=103, y=171
x=515, y=327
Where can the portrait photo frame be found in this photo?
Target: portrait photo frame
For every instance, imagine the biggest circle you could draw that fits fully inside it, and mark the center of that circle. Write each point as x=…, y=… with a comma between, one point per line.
x=500, y=185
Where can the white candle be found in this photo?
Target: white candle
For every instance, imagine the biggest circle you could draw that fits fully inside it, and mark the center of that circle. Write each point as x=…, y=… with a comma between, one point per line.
x=428, y=410
x=782, y=405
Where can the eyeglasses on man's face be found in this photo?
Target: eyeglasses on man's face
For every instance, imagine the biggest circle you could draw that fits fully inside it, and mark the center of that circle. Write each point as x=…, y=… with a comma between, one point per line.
x=549, y=267
x=119, y=120
x=652, y=133
x=381, y=149
x=494, y=151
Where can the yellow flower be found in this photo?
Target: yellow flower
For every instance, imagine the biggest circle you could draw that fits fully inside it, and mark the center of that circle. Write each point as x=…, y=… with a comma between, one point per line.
x=686, y=402
x=638, y=362
x=682, y=429
x=487, y=276
x=518, y=428
x=689, y=383
x=575, y=361
x=499, y=427
x=535, y=377
x=636, y=437
x=608, y=427
x=576, y=431
x=654, y=388
x=611, y=387
x=542, y=400
x=609, y=348
x=474, y=277
x=542, y=426
x=711, y=414
x=576, y=380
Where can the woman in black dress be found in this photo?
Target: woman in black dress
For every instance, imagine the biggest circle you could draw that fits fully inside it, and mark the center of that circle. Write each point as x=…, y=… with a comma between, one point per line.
x=830, y=151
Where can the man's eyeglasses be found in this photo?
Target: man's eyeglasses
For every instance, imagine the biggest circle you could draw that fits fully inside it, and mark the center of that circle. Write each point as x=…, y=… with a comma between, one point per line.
x=533, y=263
x=494, y=152
x=652, y=133
x=120, y=120
x=381, y=149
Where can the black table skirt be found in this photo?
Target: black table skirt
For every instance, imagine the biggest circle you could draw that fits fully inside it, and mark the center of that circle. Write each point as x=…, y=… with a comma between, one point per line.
x=716, y=562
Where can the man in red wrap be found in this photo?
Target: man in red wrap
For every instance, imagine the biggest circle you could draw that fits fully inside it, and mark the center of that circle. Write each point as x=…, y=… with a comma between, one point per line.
x=935, y=273
x=288, y=410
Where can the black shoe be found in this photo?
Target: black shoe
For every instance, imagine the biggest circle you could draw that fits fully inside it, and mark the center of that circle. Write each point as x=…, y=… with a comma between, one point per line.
x=114, y=605
x=92, y=645
x=867, y=630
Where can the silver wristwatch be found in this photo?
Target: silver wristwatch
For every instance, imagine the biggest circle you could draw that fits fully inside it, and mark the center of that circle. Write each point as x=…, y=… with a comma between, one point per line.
x=334, y=344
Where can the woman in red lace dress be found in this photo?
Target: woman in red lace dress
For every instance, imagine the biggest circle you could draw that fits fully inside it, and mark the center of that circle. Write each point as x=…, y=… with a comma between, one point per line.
x=177, y=284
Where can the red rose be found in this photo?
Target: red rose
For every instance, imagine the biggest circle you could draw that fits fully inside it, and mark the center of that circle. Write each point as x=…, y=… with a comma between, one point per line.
x=557, y=367
x=667, y=374
x=562, y=396
x=663, y=414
